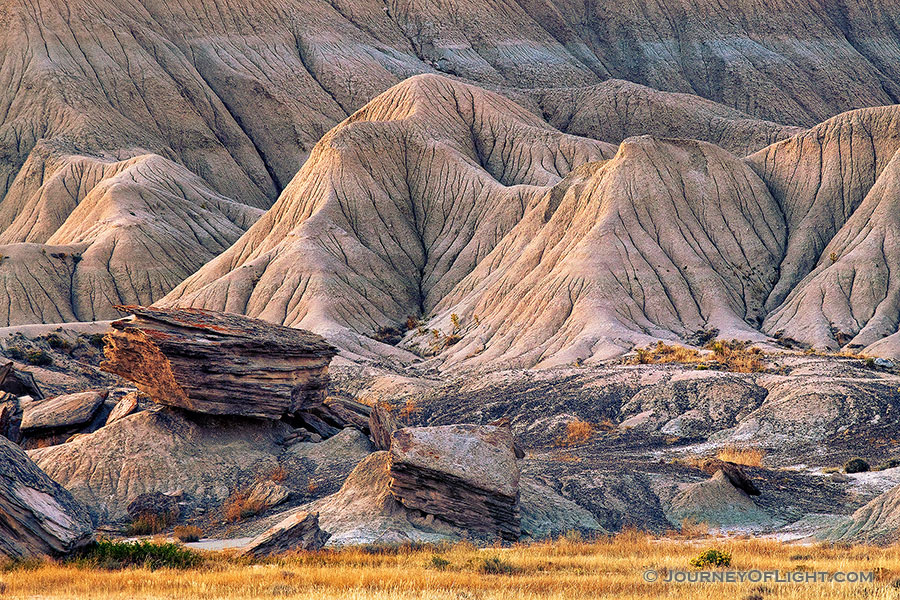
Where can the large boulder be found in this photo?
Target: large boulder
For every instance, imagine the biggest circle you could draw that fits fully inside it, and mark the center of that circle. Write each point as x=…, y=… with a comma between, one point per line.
x=299, y=531
x=37, y=516
x=52, y=421
x=219, y=363
x=465, y=474
x=10, y=416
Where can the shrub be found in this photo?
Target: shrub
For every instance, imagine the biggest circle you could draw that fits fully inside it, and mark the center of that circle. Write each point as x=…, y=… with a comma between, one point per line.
x=888, y=464
x=711, y=558
x=38, y=358
x=578, y=432
x=496, y=566
x=856, y=465
x=15, y=353
x=97, y=340
x=411, y=323
x=150, y=523
x=58, y=343
x=107, y=554
x=239, y=506
x=188, y=533
x=437, y=562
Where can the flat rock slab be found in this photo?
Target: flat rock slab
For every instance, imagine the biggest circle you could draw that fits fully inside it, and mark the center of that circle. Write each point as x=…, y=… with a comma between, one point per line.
x=465, y=474
x=62, y=412
x=299, y=531
x=37, y=516
x=219, y=363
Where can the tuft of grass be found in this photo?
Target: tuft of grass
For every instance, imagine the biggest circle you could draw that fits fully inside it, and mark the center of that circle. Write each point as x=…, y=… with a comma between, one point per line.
x=38, y=358
x=495, y=565
x=239, y=506
x=578, y=432
x=58, y=343
x=437, y=562
x=751, y=457
x=107, y=554
x=188, y=533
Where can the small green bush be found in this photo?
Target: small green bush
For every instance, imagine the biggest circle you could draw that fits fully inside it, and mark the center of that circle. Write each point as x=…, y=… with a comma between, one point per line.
x=38, y=358
x=15, y=353
x=496, y=566
x=712, y=558
x=856, y=465
x=438, y=562
x=58, y=343
x=107, y=554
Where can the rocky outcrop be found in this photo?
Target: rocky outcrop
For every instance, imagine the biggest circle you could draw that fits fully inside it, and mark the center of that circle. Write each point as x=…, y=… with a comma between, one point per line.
x=266, y=494
x=206, y=457
x=66, y=414
x=19, y=383
x=299, y=531
x=124, y=407
x=10, y=416
x=161, y=507
x=382, y=425
x=37, y=516
x=734, y=473
x=465, y=474
x=218, y=363
x=719, y=503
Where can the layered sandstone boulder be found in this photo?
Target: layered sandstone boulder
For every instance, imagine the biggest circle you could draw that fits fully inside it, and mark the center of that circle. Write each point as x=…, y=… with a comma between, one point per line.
x=219, y=364
x=52, y=421
x=299, y=531
x=465, y=474
x=37, y=516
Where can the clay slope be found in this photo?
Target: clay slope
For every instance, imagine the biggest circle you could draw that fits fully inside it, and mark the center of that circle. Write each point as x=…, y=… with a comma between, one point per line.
x=615, y=110
x=394, y=207
x=93, y=234
x=838, y=187
x=666, y=239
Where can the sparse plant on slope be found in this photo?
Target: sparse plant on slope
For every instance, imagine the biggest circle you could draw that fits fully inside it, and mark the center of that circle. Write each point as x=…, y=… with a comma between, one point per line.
x=751, y=457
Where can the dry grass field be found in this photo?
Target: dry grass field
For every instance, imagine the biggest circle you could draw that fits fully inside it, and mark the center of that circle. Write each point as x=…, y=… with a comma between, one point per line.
x=567, y=568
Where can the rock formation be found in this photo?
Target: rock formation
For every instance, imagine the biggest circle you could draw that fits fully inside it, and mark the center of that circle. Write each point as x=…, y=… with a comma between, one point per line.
x=878, y=522
x=55, y=419
x=299, y=531
x=465, y=474
x=382, y=425
x=719, y=503
x=37, y=516
x=219, y=364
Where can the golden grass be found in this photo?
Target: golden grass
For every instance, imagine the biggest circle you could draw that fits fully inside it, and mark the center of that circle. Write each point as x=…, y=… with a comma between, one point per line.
x=734, y=355
x=239, y=506
x=751, y=457
x=578, y=432
x=568, y=569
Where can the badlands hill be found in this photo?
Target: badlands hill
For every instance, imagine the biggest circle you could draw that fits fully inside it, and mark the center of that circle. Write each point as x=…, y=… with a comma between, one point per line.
x=141, y=141
x=523, y=246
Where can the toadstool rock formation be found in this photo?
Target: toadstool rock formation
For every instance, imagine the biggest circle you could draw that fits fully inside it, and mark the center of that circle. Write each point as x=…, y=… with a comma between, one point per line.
x=219, y=364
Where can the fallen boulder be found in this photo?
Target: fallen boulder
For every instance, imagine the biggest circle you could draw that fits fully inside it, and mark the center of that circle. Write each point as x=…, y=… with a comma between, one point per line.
x=156, y=507
x=266, y=494
x=219, y=363
x=37, y=516
x=465, y=474
x=19, y=383
x=129, y=404
x=299, y=531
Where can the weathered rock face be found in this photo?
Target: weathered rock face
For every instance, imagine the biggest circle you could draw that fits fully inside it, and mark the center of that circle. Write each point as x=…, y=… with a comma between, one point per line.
x=465, y=474
x=37, y=516
x=267, y=494
x=124, y=407
x=18, y=383
x=62, y=412
x=218, y=363
x=299, y=531
x=733, y=473
x=10, y=416
x=382, y=424
x=717, y=502
x=164, y=449
x=155, y=504
x=878, y=522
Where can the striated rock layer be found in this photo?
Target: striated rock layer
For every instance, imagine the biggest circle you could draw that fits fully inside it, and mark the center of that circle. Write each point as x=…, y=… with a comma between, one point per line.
x=37, y=516
x=217, y=363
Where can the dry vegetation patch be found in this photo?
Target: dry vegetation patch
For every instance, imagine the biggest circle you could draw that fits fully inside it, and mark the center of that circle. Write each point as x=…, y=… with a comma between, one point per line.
x=568, y=568
x=734, y=355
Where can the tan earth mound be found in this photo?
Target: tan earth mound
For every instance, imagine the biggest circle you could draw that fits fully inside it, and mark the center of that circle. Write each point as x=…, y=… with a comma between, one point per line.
x=615, y=110
x=394, y=207
x=878, y=522
x=666, y=239
x=96, y=234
